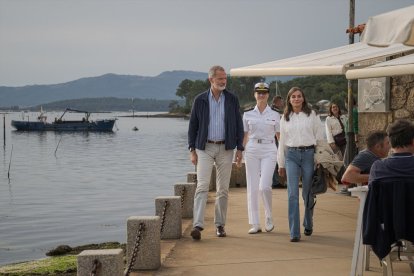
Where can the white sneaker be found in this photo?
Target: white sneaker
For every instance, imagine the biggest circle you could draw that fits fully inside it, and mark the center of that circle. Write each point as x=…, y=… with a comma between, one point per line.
x=269, y=225
x=255, y=229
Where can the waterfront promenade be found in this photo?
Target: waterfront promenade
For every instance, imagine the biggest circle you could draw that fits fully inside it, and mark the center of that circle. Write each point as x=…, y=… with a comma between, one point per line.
x=327, y=252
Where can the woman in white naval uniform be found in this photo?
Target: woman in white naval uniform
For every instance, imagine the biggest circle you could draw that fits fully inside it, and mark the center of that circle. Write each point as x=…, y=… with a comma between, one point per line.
x=260, y=126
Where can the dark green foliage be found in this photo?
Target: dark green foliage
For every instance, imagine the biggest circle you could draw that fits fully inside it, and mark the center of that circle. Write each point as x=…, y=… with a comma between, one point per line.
x=188, y=89
x=316, y=88
x=243, y=88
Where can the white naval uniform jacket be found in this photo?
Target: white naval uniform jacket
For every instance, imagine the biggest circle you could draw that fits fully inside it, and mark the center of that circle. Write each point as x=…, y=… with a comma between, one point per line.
x=261, y=125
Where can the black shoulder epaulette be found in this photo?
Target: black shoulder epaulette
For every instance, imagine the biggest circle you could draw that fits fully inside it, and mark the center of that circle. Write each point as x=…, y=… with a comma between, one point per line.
x=277, y=110
x=249, y=109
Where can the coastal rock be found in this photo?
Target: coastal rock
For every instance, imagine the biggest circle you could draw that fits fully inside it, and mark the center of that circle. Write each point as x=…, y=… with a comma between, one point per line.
x=60, y=250
x=66, y=249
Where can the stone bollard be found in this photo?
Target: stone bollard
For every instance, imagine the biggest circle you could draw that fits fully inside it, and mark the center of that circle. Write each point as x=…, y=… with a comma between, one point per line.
x=186, y=191
x=109, y=262
x=168, y=208
x=149, y=250
x=192, y=177
x=238, y=176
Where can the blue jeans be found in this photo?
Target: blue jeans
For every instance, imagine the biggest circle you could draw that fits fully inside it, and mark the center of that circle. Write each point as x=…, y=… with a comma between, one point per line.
x=299, y=162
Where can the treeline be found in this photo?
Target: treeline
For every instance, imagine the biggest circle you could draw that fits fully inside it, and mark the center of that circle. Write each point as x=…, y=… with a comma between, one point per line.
x=189, y=89
x=316, y=88
x=111, y=104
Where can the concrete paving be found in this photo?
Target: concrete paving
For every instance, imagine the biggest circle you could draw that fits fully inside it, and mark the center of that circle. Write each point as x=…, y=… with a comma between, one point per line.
x=327, y=252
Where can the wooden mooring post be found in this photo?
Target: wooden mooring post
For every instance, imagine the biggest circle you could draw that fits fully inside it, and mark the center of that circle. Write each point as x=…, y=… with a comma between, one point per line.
x=4, y=130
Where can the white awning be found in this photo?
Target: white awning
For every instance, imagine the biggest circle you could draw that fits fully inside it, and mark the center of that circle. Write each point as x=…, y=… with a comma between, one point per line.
x=335, y=61
x=399, y=66
x=389, y=28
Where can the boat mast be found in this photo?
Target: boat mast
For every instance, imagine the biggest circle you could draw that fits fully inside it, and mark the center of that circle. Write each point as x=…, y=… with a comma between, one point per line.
x=277, y=89
x=4, y=129
x=133, y=110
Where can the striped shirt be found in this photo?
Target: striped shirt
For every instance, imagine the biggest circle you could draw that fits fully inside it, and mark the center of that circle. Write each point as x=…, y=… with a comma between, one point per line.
x=216, y=130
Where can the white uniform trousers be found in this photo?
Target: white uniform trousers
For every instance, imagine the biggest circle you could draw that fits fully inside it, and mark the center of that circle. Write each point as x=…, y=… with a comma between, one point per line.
x=223, y=159
x=260, y=162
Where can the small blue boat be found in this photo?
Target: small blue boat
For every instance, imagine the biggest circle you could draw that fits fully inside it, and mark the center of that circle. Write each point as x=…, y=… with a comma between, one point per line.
x=62, y=125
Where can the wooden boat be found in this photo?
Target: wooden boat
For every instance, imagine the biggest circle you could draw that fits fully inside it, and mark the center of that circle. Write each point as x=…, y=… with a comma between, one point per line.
x=65, y=125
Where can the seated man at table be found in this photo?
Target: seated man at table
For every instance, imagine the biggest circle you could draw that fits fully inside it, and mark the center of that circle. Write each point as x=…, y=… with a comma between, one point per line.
x=389, y=208
x=378, y=146
x=400, y=165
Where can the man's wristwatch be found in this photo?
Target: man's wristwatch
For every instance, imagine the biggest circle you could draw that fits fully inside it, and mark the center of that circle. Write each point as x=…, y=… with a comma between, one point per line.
x=192, y=149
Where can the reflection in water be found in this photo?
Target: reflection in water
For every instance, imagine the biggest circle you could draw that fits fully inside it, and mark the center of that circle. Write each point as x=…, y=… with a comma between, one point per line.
x=87, y=191
x=10, y=191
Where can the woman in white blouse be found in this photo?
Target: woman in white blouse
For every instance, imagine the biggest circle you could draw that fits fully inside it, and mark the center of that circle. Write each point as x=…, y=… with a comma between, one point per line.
x=334, y=125
x=300, y=128
x=261, y=124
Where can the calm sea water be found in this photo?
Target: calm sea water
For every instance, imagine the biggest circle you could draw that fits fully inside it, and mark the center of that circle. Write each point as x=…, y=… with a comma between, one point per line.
x=86, y=191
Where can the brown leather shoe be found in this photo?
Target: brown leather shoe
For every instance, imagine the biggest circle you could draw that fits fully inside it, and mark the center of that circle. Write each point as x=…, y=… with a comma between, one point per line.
x=196, y=233
x=220, y=231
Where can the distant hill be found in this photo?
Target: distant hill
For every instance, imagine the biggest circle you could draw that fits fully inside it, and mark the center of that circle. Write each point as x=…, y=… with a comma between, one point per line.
x=161, y=87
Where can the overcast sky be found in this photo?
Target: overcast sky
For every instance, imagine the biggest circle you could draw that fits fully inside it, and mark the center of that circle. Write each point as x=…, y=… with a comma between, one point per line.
x=56, y=41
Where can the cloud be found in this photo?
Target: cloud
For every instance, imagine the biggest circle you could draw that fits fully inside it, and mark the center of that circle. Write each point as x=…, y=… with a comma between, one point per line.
x=48, y=41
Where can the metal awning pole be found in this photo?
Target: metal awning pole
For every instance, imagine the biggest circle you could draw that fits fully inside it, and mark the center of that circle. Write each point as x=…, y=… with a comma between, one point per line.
x=350, y=141
x=350, y=151
x=351, y=20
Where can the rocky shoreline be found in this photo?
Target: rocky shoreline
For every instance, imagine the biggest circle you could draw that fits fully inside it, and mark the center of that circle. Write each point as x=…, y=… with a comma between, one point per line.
x=62, y=261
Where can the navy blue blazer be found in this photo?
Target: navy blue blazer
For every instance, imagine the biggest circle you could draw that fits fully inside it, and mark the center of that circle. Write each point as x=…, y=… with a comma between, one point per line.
x=199, y=120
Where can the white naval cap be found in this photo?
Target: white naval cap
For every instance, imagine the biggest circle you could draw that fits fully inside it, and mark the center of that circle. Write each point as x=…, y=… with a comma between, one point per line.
x=261, y=86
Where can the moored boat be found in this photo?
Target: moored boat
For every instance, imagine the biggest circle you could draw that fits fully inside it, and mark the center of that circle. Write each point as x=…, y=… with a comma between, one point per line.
x=65, y=125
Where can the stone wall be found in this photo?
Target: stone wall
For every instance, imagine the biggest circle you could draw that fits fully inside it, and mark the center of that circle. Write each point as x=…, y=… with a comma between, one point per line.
x=401, y=107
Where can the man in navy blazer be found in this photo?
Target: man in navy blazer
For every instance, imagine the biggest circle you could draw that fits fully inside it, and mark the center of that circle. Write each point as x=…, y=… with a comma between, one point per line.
x=215, y=130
